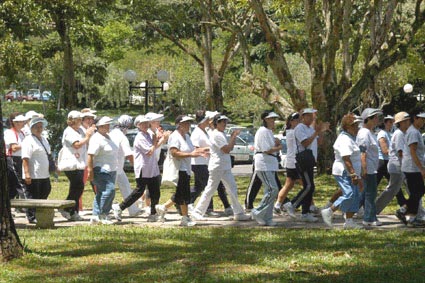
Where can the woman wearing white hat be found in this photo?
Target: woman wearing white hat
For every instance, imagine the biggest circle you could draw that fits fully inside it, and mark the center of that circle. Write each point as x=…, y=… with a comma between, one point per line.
x=13, y=138
x=35, y=164
x=102, y=169
x=181, y=148
x=75, y=142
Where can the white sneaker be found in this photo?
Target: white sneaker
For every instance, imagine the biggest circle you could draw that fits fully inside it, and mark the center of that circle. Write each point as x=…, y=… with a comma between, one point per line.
x=373, y=223
x=350, y=224
x=94, y=220
x=228, y=211
x=259, y=220
x=196, y=215
x=190, y=207
x=161, y=210
x=308, y=217
x=187, y=222
x=290, y=209
x=241, y=217
x=65, y=214
x=327, y=216
x=212, y=213
x=153, y=218
x=117, y=211
x=105, y=220
x=76, y=217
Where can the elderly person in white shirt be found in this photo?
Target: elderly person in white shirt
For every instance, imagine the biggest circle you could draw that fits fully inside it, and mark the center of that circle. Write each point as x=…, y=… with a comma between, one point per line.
x=146, y=170
x=35, y=164
x=266, y=165
x=102, y=170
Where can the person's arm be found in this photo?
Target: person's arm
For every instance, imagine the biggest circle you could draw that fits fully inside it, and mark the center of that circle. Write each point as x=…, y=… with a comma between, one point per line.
x=413, y=147
x=350, y=169
x=229, y=147
x=26, y=167
x=276, y=147
x=363, y=158
x=175, y=152
x=318, y=129
x=384, y=146
x=86, y=139
x=15, y=147
x=90, y=167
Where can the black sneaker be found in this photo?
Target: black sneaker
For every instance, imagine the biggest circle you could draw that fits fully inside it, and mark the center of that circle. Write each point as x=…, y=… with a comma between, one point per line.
x=401, y=216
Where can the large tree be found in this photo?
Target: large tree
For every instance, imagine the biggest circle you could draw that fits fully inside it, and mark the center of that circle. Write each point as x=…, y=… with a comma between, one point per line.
x=346, y=44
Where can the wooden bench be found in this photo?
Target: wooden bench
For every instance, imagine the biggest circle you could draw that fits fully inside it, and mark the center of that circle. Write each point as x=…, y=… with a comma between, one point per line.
x=45, y=209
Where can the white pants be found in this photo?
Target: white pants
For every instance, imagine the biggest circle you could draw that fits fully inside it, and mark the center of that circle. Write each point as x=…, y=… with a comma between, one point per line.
x=214, y=179
x=125, y=189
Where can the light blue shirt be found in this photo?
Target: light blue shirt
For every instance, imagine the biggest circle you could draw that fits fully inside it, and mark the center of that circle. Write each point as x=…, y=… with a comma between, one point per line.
x=368, y=143
x=412, y=136
x=387, y=136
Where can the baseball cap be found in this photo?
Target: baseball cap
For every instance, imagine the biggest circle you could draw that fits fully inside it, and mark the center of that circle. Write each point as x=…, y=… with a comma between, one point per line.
x=104, y=121
x=211, y=114
x=31, y=114
x=369, y=112
x=308, y=111
x=20, y=118
x=183, y=118
x=154, y=116
x=388, y=117
x=74, y=114
x=140, y=119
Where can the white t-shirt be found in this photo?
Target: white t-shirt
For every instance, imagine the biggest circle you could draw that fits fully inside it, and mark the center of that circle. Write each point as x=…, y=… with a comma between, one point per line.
x=144, y=163
x=303, y=132
x=345, y=145
x=396, y=144
x=13, y=137
x=124, y=148
x=218, y=159
x=158, y=150
x=412, y=136
x=387, y=136
x=291, y=149
x=200, y=138
x=264, y=141
x=368, y=143
x=37, y=157
x=176, y=140
x=69, y=137
x=105, y=152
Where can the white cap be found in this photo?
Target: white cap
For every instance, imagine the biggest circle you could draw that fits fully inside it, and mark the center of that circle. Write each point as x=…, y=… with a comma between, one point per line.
x=271, y=115
x=211, y=114
x=88, y=110
x=369, y=112
x=154, y=116
x=308, y=111
x=37, y=120
x=388, y=117
x=74, y=114
x=20, y=118
x=357, y=119
x=140, y=119
x=31, y=114
x=421, y=115
x=183, y=118
x=221, y=117
x=104, y=121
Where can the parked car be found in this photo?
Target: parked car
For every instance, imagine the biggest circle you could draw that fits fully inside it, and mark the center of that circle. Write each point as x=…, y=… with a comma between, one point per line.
x=45, y=96
x=243, y=151
x=34, y=94
x=15, y=95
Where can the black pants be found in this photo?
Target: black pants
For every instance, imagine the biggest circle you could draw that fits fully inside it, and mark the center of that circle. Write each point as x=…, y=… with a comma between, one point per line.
x=182, y=195
x=416, y=186
x=253, y=189
x=305, y=196
x=14, y=177
x=201, y=179
x=153, y=185
x=382, y=171
x=76, y=188
x=39, y=189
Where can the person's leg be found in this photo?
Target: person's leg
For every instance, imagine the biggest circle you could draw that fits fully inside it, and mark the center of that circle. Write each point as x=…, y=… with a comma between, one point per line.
x=381, y=172
x=394, y=185
x=125, y=189
x=182, y=196
x=305, y=196
x=76, y=188
x=17, y=167
x=264, y=211
x=370, y=191
x=45, y=188
x=12, y=180
x=100, y=183
x=108, y=194
x=32, y=193
x=229, y=182
x=204, y=200
x=222, y=195
x=349, y=199
x=154, y=192
x=252, y=191
x=135, y=194
x=415, y=183
x=200, y=173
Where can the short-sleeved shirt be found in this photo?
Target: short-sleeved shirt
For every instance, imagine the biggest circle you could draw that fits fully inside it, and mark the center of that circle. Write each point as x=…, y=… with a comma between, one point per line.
x=387, y=136
x=11, y=136
x=396, y=145
x=291, y=149
x=38, y=162
x=264, y=141
x=368, y=143
x=303, y=132
x=218, y=159
x=105, y=152
x=124, y=148
x=345, y=145
x=412, y=136
x=183, y=144
x=147, y=164
x=69, y=137
x=200, y=139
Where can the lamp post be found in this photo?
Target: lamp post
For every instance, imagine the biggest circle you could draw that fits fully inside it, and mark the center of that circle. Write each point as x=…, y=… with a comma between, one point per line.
x=162, y=76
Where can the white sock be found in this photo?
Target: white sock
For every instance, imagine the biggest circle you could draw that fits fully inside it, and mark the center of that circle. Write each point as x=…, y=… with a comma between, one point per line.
x=277, y=204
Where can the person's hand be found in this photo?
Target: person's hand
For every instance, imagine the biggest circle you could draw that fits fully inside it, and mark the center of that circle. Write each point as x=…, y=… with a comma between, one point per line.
x=28, y=180
x=91, y=130
x=235, y=133
x=355, y=179
x=166, y=135
x=322, y=127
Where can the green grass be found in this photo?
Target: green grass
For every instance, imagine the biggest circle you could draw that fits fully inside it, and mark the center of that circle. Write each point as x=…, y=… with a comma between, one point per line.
x=132, y=253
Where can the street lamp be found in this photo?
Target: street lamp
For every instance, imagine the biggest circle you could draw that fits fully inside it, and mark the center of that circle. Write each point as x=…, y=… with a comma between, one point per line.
x=162, y=76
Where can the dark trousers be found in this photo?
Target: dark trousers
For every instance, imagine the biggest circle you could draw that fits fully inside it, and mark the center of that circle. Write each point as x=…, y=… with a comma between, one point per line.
x=382, y=171
x=153, y=185
x=253, y=189
x=39, y=189
x=182, y=195
x=201, y=179
x=305, y=196
x=416, y=186
x=76, y=188
x=14, y=177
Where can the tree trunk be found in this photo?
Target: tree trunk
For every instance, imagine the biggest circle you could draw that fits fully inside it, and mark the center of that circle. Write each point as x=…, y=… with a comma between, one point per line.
x=10, y=245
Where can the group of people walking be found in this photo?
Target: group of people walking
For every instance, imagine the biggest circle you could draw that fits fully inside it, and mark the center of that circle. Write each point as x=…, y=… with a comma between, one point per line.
x=94, y=149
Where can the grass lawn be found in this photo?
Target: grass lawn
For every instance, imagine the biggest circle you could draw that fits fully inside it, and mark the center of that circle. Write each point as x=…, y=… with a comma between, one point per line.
x=144, y=254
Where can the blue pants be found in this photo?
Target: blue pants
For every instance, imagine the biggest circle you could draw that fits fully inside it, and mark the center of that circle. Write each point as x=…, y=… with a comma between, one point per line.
x=105, y=186
x=265, y=208
x=350, y=199
x=369, y=194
